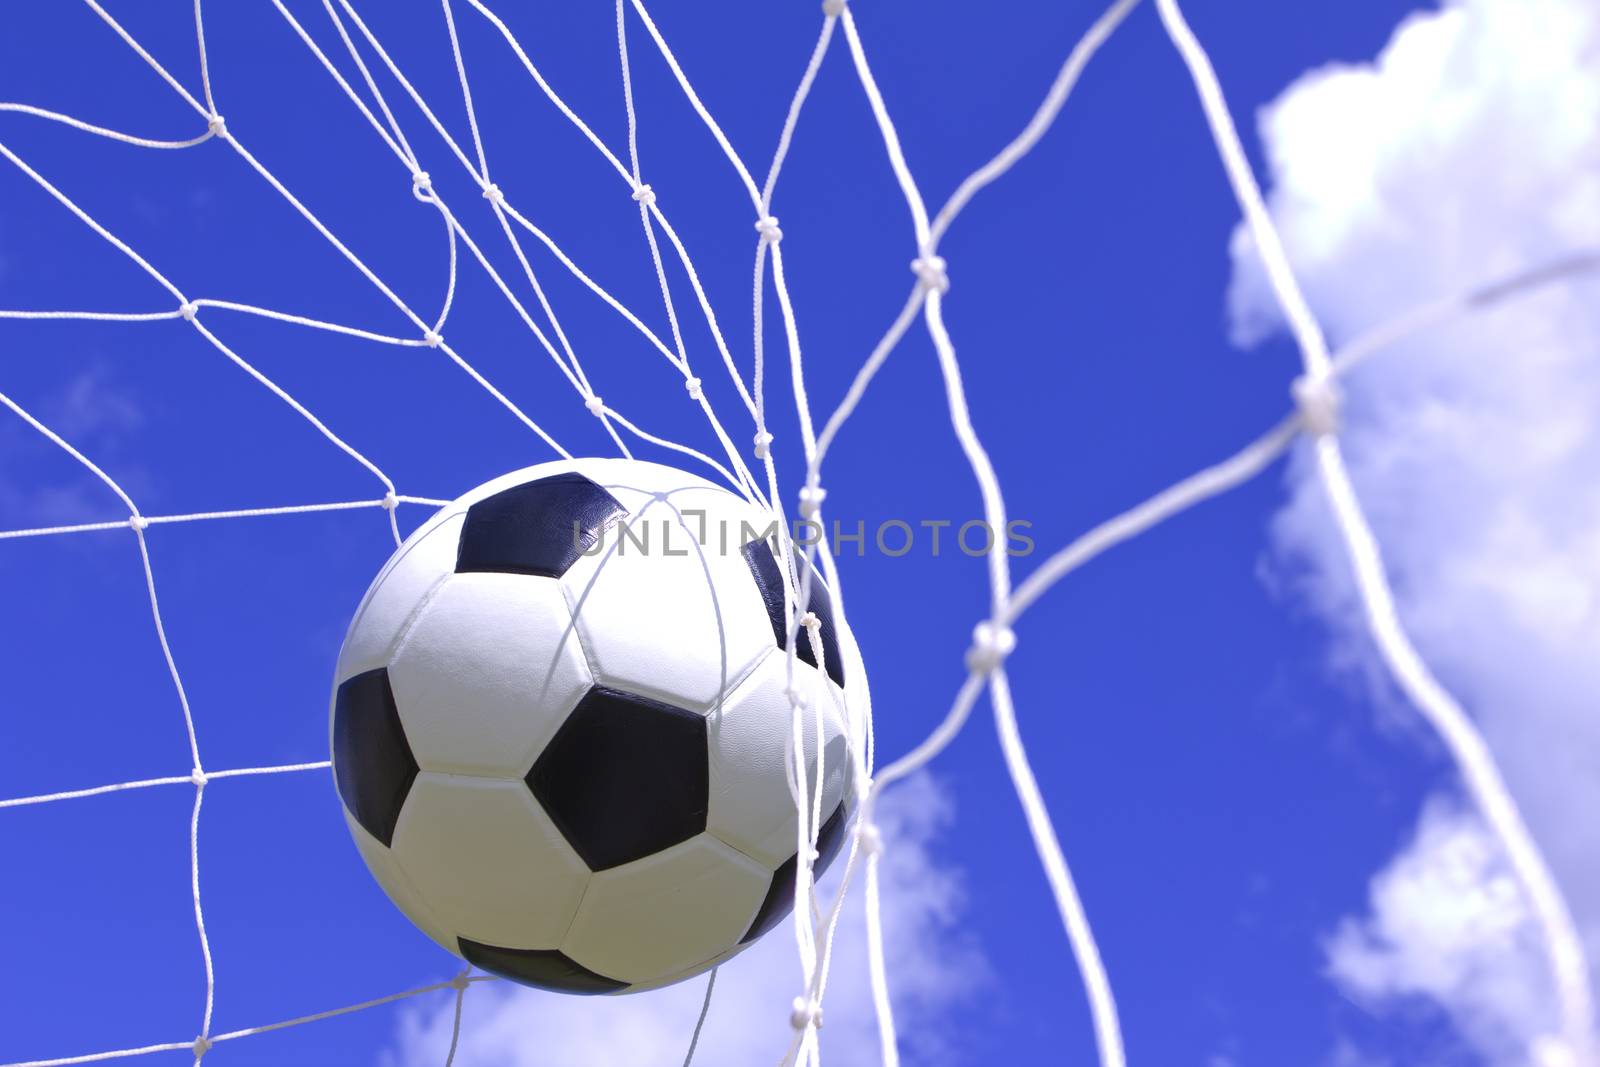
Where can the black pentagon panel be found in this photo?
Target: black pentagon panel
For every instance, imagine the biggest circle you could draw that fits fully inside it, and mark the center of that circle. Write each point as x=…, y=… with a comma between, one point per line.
x=624, y=777
x=831, y=838
x=780, y=894
x=822, y=607
x=539, y=527
x=540, y=968
x=769, y=580
x=372, y=762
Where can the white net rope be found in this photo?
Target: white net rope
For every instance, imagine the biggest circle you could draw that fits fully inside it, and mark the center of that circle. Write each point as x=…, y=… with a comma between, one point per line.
x=378, y=77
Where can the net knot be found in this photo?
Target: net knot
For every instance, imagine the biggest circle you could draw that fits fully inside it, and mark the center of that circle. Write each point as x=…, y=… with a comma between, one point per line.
x=492, y=193
x=201, y=1046
x=693, y=386
x=806, y=1013
x=767, y=227
x=199, y=778
x=433, y=338
x=810, y=621
x=833, y=8
x=871, y=840
x=422, y=186
x=216, y=126
x=138, y=521
x=811, y=498
x=188, y=309
x=930, y=272
x=1318, y=398
x=390, y=501
x=795, y=695
x=459, y=982
x=763, y=444
x=595, y=405
x=991, y=644
x=645, y=195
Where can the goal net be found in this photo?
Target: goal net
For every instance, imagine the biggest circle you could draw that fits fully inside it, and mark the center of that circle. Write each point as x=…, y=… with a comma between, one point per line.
x=503, y=254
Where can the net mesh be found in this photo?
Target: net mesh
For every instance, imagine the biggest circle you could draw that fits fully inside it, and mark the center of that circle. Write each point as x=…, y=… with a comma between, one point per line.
x=368, y=78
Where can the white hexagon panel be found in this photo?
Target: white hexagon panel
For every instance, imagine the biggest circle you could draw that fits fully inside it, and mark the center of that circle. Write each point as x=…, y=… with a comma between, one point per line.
x=667, y=913
x=403, y=586
x=704, y=631
x=751, y=806
x=487, y=673
x=487, y=860
x=385, y=866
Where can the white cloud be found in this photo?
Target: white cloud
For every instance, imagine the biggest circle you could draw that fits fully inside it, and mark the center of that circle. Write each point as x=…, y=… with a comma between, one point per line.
x=1447, y=922
x=1470, y=148
x=933, y=966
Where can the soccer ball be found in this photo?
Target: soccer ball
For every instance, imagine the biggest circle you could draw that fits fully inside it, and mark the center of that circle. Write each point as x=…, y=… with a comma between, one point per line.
x=560, y=722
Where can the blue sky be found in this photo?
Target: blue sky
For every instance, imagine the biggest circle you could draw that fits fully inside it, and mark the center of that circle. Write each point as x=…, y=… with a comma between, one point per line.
x=1223, y=790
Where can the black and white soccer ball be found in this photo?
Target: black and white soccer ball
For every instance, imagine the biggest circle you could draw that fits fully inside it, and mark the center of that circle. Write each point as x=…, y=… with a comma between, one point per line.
x=560, y=719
